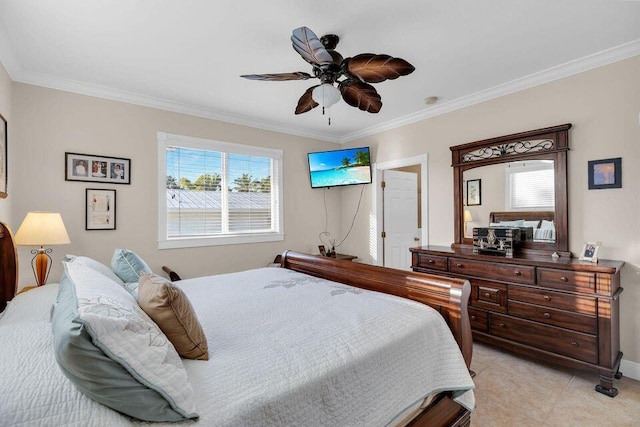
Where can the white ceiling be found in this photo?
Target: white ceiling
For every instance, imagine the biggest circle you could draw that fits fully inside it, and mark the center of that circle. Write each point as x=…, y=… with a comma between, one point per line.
x=187, y=55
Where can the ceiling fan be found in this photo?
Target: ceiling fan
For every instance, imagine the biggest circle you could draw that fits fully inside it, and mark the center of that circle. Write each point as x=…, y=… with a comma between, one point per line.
x=352, y=75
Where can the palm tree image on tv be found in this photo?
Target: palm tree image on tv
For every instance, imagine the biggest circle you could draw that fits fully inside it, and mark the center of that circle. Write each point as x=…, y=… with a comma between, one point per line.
x=340, y=167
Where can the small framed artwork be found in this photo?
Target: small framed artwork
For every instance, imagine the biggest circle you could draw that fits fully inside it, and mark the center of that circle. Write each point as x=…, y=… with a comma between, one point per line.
x=4, y=161
x=474, y=192
x=322, y=250
x=590, y=252
x=92, y=168
x=101, y=209
x=606, y=173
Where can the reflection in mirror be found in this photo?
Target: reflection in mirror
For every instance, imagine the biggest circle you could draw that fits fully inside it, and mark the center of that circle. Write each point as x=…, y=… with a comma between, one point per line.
x=519, y=194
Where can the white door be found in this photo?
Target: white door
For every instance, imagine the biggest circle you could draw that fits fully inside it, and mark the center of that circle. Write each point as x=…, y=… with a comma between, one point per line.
x=400, y=205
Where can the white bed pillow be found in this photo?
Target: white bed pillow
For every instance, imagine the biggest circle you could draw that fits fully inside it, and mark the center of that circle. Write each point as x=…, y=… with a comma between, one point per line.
x=515, y=223
x=532, y=224
x=547, y=225
x=124, y=332
x=96, y=265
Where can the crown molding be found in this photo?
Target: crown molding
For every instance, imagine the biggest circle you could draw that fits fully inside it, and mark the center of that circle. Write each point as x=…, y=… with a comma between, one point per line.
x=8, y=56
x=45, y=80
x=17, y=73
x=558, y=72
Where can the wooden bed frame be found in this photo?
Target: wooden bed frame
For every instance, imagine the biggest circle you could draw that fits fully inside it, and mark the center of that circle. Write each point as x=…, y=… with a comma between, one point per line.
x=526, y=215
x=8, y=266
x=447, y=295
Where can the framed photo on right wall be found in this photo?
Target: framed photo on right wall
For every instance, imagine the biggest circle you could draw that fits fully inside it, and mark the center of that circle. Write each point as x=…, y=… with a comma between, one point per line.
x=606, y=173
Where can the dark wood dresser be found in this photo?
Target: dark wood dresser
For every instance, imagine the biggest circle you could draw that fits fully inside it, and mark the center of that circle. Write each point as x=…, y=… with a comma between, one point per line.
x=560, y=310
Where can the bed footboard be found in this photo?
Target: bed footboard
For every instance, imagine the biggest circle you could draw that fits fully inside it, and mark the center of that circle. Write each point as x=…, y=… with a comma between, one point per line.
x=447, y=295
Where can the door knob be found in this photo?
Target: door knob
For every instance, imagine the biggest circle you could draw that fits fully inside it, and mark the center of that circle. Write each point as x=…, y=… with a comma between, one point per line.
x=416, y=239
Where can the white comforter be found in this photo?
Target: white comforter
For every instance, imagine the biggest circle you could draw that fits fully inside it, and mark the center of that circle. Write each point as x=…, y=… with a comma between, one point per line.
x=285, y=349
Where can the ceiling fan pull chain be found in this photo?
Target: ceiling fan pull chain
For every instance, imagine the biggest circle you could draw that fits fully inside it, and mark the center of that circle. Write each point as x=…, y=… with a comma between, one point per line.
x=323, y=110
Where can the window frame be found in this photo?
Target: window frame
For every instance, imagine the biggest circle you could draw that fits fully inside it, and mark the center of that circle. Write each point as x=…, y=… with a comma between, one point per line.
x=277, y=203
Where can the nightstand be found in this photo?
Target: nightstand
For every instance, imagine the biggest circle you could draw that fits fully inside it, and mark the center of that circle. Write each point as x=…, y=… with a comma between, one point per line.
x=344, y=257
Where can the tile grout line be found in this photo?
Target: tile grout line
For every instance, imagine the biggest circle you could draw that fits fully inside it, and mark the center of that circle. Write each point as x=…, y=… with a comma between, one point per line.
x=564, y=390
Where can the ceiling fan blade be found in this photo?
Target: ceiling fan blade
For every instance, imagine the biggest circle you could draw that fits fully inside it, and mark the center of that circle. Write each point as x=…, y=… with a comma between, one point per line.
x=374, y=68
x=307, y=44
x=279, y=77
x=306, y=102
x=361, y=95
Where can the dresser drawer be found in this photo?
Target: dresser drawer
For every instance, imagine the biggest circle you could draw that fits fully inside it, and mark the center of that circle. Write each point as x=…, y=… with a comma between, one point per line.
x=551, y=316
x=478, y=319
x=577, y=304
x=568, y=280
x=493, y=270
x=433, y=262
x=489, y=295
x=557, y=340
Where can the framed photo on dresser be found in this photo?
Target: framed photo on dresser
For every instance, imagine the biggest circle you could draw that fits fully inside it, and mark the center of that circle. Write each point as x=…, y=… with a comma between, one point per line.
x=590, y=252
x=94, y=168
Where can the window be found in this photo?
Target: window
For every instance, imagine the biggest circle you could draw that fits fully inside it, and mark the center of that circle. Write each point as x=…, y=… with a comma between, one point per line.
x=214, y=193
x=530, y=186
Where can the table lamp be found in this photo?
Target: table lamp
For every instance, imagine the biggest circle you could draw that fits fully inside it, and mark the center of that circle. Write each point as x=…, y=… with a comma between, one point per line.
x=40, y=229
x=467, y=218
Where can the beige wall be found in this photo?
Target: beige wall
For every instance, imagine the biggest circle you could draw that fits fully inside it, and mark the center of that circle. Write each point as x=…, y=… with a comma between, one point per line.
x=49, y=123
x=6, y=88
x=603, y=104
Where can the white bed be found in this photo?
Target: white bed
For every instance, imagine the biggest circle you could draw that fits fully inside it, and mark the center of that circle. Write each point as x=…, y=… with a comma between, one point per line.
x=285, y=349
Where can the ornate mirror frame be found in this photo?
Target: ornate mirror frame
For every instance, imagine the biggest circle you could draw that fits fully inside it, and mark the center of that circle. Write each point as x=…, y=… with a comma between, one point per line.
x=550, y=143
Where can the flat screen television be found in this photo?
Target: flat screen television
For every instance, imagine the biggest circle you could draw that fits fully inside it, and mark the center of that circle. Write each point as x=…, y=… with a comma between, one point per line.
x=340, y=167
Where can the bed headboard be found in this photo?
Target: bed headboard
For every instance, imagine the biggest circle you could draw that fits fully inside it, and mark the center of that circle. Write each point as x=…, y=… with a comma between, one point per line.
x=526, y=215
x=8, y=266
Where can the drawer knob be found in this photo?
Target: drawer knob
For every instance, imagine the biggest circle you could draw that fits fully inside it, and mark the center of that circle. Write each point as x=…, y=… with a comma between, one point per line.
x=502, y=325
x=564, y=279
x=459, y=265
x=487, y=294
x=574, y=343
x=517, y=273
x=546, y=316
x=430, y=261
x=473, y=317
x=547, y=298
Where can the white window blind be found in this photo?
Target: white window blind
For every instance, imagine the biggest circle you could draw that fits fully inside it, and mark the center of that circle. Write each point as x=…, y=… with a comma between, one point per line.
x=212, y=192
x=530, y=186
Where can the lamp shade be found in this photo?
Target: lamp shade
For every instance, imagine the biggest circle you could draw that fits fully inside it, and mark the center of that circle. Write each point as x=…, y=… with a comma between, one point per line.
x=467, y=216
x=326, y=94
x=42, y=228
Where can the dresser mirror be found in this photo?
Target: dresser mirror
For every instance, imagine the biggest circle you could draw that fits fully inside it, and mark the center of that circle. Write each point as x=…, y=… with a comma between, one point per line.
x=520, y=194
x=515, y=180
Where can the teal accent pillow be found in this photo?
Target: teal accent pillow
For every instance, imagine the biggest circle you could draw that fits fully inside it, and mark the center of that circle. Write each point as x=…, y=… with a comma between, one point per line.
x=97, y=375
x=128, y=265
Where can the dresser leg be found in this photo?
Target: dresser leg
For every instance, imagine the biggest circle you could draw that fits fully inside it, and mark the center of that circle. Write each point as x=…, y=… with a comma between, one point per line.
x=606, y=386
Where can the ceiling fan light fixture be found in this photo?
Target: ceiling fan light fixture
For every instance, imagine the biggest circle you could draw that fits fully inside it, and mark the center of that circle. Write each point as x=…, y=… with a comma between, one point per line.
x=326, y=95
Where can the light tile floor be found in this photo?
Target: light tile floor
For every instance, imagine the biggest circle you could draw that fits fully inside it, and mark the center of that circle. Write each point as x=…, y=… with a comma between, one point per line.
x=515, y=391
